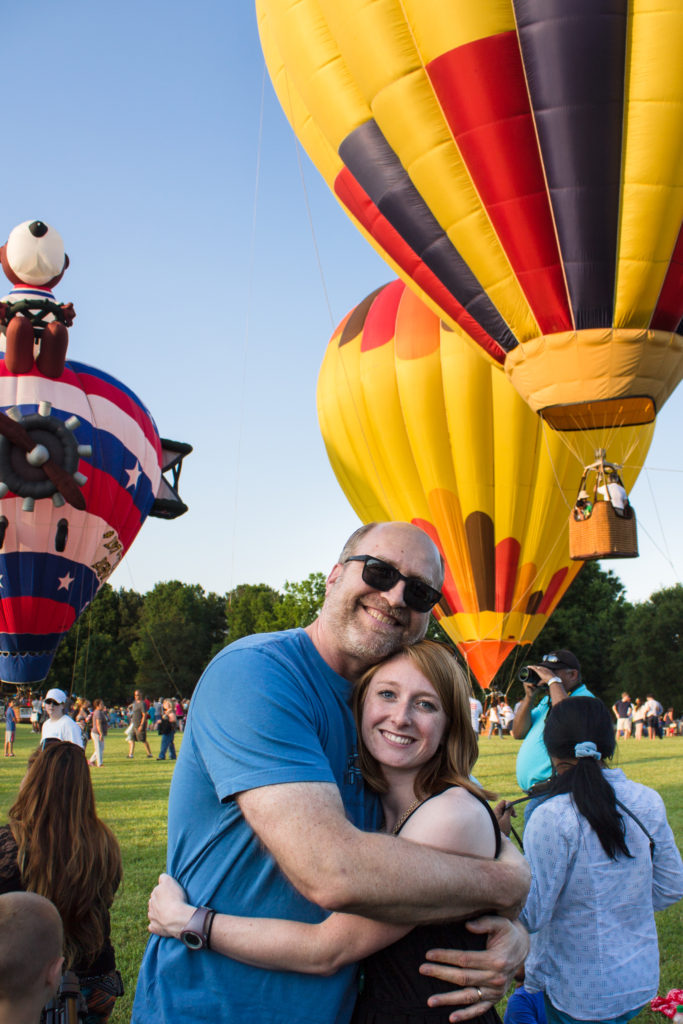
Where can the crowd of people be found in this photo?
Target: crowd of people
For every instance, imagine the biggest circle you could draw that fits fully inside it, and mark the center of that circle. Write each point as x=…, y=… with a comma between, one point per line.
x=335, y=821
x=56, y=716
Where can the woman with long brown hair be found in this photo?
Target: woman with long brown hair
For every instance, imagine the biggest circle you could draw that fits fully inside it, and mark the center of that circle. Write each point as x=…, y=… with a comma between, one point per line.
x=55, y=845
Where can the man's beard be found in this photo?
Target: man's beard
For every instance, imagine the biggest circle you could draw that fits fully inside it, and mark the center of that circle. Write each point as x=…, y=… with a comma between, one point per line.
x=361, y=641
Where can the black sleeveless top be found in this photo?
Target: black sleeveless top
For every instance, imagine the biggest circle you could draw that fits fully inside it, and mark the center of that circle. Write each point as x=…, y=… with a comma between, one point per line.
x=392, y=989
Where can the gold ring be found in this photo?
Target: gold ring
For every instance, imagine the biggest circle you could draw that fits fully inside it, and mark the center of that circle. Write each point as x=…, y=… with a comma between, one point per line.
x=479, y=993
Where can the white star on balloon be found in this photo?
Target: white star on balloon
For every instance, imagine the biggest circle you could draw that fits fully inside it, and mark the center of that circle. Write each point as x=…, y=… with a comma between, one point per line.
x=1, y=579
x=65, y=581
x=133, y=475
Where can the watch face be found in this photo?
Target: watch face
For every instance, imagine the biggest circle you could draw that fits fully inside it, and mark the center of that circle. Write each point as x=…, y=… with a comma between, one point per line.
x=193, y=940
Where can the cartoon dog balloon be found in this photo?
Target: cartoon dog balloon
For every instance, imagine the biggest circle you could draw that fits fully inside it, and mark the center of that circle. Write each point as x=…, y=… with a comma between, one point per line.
x=35, y=324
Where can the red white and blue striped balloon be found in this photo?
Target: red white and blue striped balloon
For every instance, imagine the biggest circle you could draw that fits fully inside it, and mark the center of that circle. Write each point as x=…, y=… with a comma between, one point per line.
x=54, y=558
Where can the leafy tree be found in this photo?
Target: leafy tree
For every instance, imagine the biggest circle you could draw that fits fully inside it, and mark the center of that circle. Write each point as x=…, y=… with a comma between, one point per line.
x=179, y=627
x=650, y=653
x=94, y=659
x=250, y=608
x=301, y=602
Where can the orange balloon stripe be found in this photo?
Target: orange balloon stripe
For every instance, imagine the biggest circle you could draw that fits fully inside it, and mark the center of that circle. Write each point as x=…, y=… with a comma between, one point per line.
x=482, y=91
x=362, y=209
x=485, y=657
x=668, y=316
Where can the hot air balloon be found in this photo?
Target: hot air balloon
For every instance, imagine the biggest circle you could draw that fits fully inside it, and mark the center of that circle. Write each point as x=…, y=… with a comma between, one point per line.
x=519, y=164
x=80, y=467
x=419, y=427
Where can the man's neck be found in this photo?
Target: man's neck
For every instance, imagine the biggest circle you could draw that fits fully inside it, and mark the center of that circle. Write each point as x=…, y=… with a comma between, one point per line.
x=344, y=665
x=15, y=1012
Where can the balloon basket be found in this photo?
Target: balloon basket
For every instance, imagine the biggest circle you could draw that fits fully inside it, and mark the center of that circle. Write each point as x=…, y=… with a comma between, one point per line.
x=605, y=534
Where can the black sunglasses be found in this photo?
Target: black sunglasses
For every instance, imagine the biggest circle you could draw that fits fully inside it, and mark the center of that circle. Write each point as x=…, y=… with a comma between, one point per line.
x=51, y=701
x=379, y=575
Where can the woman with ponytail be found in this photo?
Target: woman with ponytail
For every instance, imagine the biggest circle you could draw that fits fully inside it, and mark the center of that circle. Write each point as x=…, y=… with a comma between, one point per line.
x=603, y=859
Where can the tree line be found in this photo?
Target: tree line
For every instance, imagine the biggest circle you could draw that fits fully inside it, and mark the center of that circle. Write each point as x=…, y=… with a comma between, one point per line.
x=161, y=641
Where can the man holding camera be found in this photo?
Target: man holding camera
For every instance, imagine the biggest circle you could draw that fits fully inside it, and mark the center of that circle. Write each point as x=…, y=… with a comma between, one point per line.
x=557, y=677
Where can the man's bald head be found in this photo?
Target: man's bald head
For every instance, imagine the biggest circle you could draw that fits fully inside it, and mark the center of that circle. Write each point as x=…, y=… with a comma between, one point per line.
x=408, y=533
x=31, y=940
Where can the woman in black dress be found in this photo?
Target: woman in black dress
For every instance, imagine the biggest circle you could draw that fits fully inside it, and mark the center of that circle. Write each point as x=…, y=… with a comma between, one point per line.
x=416, y=750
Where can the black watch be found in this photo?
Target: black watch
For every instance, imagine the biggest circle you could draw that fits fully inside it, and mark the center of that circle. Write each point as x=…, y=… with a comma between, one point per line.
x=195, y=934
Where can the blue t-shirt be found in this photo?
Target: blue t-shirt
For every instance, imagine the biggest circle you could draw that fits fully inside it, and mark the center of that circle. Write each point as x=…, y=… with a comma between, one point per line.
x=533, y=760
x=10, y=720
x=267, y=710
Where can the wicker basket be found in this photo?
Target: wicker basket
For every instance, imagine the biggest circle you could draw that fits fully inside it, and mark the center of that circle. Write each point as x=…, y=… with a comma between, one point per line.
x=603, y=535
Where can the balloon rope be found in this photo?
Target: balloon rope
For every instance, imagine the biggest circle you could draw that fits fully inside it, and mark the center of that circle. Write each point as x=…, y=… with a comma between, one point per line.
x=552, y=461
x=666, y=554
x=247, y=329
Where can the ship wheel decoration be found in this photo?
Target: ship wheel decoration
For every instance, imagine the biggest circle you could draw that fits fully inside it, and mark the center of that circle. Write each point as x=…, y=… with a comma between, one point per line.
x=39, y=458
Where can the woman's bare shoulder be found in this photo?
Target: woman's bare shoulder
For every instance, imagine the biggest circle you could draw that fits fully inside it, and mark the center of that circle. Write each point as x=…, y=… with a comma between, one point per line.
x=454, y=821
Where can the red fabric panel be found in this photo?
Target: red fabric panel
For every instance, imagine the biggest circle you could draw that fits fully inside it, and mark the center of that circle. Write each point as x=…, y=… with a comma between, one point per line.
x=669, y=310
x=380, y=324
x=449, y=589
x=507, y=564
x=37, y=615
x=482, y=91
x=361, y=207
x=551, y=591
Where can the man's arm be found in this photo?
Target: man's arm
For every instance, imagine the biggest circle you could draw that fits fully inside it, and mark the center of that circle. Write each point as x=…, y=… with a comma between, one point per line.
x=341, y=868
x=522, y=720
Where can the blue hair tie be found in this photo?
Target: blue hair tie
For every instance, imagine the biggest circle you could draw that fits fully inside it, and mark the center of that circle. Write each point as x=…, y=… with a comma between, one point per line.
x=587, y=749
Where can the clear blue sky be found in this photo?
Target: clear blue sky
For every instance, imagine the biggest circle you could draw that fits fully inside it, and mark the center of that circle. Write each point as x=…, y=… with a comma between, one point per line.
x=134, y=130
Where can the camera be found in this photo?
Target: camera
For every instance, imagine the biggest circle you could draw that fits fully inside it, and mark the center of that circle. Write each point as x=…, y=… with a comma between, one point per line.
x=527, y=674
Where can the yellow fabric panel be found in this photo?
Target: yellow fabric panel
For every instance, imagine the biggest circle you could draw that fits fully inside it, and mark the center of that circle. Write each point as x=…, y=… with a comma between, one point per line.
x=294, y=34
x=438, y=26
x=652, y=184
x=469, y=412
x=563, y=368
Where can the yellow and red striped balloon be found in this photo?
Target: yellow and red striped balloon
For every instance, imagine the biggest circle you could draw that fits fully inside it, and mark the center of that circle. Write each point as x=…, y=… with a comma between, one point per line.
x=419, y=427
x=520, y=164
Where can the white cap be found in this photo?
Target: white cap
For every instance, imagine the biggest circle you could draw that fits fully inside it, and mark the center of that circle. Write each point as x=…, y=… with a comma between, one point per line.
x=57, y=695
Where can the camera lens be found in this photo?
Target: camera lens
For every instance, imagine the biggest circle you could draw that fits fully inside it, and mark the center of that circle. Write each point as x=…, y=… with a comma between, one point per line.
x=527, y=674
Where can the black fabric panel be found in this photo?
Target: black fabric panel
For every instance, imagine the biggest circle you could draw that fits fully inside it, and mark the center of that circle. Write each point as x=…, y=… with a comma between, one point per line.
x=574, y=60
x=380, y=173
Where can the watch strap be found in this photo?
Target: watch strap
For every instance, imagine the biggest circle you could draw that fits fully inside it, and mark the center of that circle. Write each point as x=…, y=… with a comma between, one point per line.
x=196, y=932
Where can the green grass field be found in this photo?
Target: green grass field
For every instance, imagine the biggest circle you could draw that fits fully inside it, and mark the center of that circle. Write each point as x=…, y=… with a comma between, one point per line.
x=132, y=799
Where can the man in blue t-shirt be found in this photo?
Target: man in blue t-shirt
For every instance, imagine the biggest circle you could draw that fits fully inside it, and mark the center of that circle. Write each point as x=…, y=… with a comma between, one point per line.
x=268, y=814
x=559, y=677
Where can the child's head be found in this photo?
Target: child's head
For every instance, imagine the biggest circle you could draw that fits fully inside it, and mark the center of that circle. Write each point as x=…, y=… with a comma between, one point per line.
x=30, y=954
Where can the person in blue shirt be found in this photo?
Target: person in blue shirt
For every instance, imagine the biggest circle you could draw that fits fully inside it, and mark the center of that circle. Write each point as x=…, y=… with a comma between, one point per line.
x=268, y=814
x=559, y=677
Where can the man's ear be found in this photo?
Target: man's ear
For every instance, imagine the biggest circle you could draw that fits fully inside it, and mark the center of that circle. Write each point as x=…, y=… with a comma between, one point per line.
x=53, y=975
x=334, y=575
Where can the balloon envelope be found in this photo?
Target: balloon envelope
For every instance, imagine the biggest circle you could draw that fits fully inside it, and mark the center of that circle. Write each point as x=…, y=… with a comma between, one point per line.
x=518, y=163
x=419, y=427
x=54, y=558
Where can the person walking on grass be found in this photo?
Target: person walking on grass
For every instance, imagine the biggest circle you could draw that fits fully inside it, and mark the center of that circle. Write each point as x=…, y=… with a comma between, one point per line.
x=138, y=712
x=10, y=728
